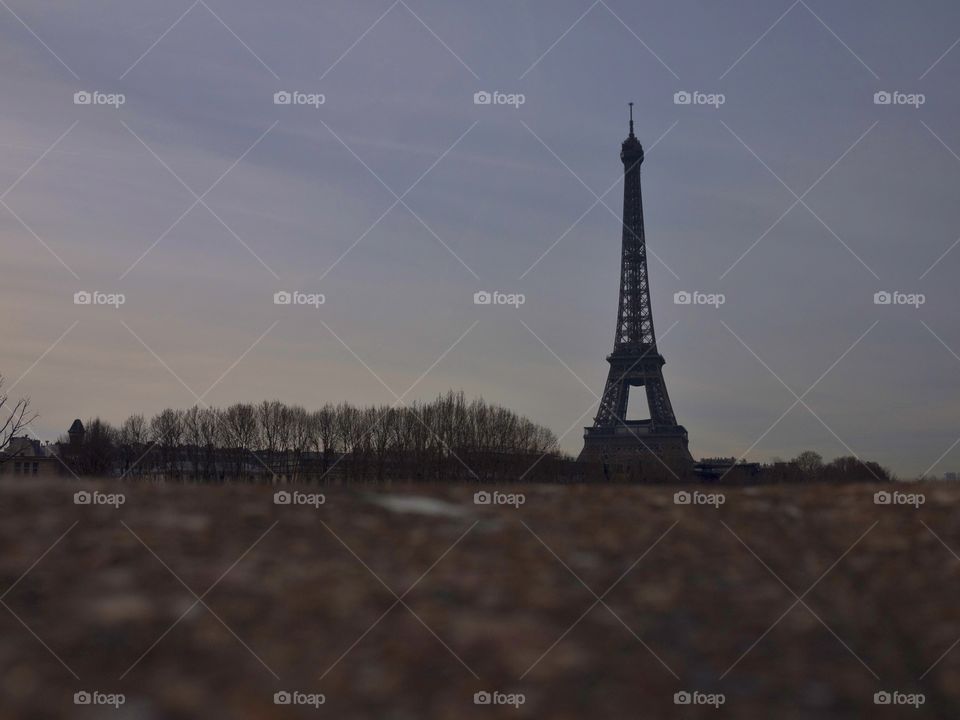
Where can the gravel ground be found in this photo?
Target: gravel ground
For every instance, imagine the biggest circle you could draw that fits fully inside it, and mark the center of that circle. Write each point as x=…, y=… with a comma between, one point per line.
x=403, y=602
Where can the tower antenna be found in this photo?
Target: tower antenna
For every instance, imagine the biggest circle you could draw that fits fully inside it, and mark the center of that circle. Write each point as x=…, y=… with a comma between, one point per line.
x=631, y=119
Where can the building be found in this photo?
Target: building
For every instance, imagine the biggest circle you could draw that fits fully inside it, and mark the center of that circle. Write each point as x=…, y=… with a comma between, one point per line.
x=729, y=470
x=27, y=457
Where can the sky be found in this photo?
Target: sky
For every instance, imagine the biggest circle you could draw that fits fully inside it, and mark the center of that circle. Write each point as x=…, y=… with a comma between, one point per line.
x=787, y=188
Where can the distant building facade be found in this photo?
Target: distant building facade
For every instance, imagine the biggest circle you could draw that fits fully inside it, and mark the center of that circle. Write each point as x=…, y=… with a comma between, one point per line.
x=27, y=457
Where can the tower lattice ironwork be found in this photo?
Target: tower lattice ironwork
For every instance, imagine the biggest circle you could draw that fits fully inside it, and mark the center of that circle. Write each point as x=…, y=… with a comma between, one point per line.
x=635, y=447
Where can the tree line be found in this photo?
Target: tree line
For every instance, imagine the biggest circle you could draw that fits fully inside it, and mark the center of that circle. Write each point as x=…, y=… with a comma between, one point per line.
x=809, y=466
x=449, y=438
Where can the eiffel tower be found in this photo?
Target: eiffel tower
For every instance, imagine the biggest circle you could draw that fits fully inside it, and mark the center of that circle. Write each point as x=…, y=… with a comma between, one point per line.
x=635, y=449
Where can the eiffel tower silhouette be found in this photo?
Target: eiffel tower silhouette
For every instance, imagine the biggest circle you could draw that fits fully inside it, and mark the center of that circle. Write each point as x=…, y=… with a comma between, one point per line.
x=635, y=449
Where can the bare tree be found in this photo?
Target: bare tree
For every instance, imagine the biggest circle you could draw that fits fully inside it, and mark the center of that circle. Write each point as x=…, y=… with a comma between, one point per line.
x=134, y=431
x=270, y=427
x=132, y=439
x=299, y=431
x=166, y=431
x=192, y=436
x=381, y=422
x=98, y=453
x=18, y=417
x=210, y=436
x=810, y=463
x=324, y=434
x=240, y=433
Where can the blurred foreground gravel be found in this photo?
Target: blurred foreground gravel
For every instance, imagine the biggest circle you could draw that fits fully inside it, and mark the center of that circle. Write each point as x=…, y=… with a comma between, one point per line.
x=302, y=598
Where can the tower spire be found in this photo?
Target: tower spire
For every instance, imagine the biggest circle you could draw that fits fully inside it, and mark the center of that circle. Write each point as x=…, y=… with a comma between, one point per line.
x=631, y=119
